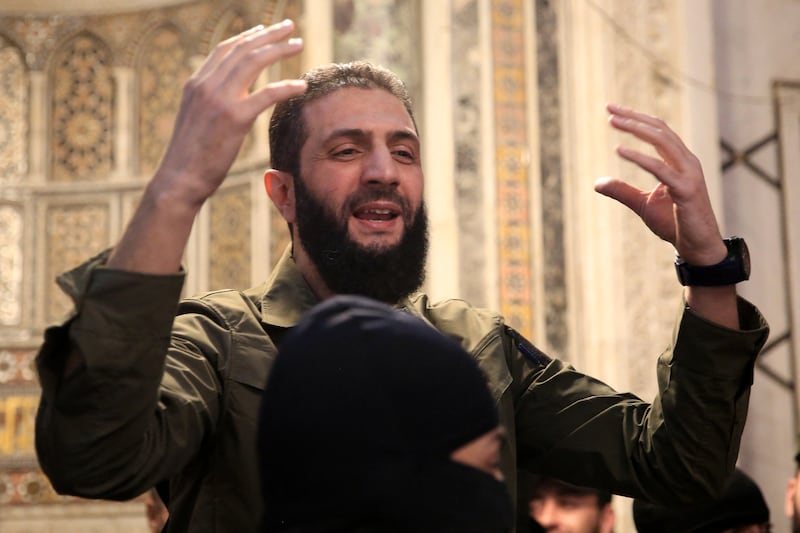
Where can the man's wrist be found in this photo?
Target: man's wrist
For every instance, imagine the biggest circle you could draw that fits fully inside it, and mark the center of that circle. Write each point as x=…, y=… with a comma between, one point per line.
x=733, y=268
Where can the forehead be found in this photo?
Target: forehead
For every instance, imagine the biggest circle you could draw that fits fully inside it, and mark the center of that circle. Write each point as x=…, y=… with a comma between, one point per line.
x=557, y=490
x=356, y=108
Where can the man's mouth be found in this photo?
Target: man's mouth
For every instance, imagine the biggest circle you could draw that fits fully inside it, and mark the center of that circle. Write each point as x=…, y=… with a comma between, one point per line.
x=378, y=214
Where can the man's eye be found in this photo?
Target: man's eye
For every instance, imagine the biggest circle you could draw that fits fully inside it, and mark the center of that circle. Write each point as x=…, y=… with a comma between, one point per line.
x=345, y=152
x=404, y=154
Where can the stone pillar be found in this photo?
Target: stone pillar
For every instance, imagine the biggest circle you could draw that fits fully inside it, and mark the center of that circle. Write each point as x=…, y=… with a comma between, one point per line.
x=39, y=107
x=124, y=123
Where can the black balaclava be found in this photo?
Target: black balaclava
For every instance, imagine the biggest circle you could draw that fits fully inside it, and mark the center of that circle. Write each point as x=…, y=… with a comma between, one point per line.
x=741, y=504
x=363, y=407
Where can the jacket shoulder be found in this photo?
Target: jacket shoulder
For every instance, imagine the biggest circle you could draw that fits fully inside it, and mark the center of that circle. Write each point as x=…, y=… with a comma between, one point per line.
x=227, y=306
x=459, y=319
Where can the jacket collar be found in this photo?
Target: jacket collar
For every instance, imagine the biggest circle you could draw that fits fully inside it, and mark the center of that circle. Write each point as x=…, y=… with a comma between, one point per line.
x=287, y=296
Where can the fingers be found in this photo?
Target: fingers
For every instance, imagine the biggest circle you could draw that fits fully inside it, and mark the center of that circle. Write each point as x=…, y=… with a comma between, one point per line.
x=653, y=131
x=274, y=92
x=655, y=166
x=236, y=62
x=221, y=49
x=622, y=192
x=253, y=52
x=217, y=109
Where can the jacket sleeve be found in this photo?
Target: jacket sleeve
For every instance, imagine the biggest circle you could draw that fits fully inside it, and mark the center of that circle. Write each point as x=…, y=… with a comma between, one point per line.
x=679, y=448
x=143, y=401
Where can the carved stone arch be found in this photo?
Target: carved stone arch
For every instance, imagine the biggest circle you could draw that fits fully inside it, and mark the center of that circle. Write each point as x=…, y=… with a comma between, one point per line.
x=221, y=23
x=277, y=10
x=224, y=22
x=152, y=23
x=82, y=93
x=9, y=38
x=65, y=35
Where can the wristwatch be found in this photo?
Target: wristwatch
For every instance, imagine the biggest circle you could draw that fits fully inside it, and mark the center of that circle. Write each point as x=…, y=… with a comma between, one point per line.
x=733, y=269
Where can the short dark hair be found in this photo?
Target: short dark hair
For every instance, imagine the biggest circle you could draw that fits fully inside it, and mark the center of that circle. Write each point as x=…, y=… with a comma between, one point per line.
x=531, y=484
x=287, y=127
x=741, y=504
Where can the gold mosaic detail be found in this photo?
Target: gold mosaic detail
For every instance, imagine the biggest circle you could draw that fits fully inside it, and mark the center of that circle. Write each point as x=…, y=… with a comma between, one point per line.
x=229, y=244
x=164, y=69
x=17, y=416
x=82, y=110
x=513, y=196
x=13, y=113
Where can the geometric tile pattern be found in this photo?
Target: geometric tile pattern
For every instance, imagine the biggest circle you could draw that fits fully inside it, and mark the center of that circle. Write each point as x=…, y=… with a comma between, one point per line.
x=229, y=239
x=82, y=110
x=73, y=233
x=13, y=112
x=164, y=68
x=11, y=260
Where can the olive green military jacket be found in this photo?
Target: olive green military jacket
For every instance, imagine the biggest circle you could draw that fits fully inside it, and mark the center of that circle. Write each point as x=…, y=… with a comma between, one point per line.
x=170, y=392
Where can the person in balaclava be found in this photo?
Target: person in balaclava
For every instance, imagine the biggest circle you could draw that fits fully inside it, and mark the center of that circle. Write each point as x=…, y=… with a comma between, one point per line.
x=373, y=421
x=741, y=509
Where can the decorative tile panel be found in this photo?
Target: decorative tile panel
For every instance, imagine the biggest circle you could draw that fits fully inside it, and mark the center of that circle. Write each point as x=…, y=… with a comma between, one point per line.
x=27, y=487
x=512, y=186
x=229, y=244
x=13, y=114
x=73, y=234
x=17, y=416
x=163, y=71
x=11, y=261
x=17, y=366
x=82, y=110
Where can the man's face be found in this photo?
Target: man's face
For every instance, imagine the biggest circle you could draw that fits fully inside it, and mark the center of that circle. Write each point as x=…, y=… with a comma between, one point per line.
x=560, y=509
x=360, y=216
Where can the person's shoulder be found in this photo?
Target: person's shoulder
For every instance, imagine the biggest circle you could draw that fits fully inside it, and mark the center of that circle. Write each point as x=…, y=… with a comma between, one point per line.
x=456, y=317
x=227, y=304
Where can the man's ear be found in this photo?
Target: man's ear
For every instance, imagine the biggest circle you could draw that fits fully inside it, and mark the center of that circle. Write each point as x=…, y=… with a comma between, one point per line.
x=280, y=188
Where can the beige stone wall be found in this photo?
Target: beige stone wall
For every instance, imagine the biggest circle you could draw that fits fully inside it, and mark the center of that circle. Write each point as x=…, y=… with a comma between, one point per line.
x=758, y=87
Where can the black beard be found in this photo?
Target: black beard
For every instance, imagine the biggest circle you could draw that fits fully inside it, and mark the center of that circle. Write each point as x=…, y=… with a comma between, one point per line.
x=385, y=273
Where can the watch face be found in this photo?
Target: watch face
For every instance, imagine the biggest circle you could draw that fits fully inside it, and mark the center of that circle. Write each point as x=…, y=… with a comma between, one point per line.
x=737, y=249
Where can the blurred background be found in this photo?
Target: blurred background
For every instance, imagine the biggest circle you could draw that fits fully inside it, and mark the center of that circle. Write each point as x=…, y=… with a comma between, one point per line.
x=510, y=98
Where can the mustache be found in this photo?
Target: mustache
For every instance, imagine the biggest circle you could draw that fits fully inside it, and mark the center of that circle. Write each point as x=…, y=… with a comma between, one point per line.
x=377, y=193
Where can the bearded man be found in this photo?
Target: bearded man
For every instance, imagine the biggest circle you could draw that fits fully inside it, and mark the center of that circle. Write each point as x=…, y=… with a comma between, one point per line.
x=140, y=389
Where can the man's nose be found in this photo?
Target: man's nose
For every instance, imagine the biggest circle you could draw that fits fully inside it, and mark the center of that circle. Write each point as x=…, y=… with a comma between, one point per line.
x=380, y=167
